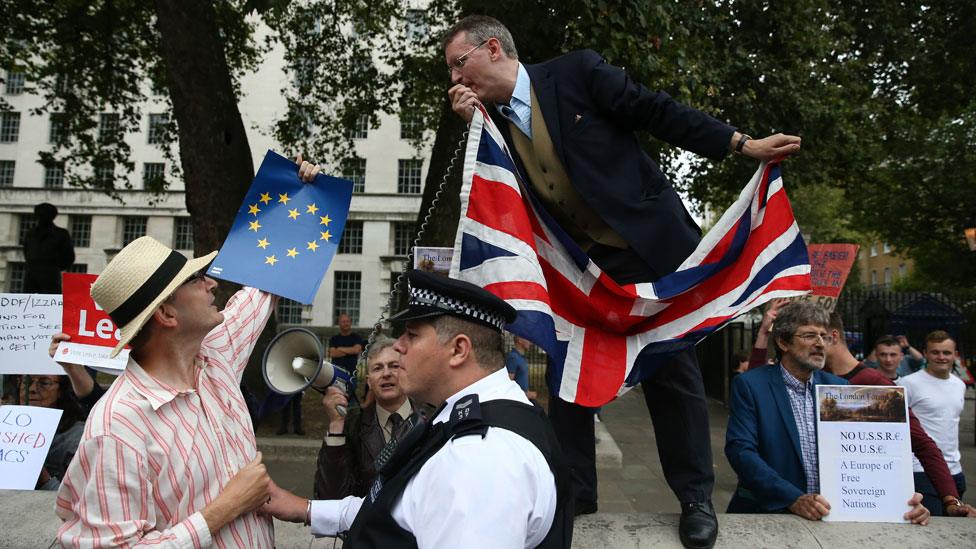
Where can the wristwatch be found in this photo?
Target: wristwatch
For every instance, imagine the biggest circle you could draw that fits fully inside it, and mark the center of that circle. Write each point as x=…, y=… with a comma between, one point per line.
x=742, y=141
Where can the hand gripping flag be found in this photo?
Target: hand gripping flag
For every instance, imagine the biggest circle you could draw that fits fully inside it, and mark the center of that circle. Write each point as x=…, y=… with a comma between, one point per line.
x=286, y=231
x=591, y=327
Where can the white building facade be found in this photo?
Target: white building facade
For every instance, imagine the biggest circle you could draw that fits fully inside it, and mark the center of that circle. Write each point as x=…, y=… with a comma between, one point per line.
x=372, y=251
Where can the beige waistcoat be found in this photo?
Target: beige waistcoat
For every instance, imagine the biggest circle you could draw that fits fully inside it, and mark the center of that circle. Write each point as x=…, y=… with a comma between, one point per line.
x=549, y=180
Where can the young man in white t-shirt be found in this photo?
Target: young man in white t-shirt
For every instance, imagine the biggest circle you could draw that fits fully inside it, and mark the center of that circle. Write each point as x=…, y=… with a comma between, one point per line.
x=937, y=397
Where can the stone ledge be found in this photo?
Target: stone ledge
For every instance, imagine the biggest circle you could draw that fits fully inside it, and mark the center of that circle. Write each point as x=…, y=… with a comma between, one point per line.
x=28, y=520
x=289, y=449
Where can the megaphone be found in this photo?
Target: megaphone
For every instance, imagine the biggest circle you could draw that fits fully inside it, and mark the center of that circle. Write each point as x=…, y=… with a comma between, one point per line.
x=295, y=360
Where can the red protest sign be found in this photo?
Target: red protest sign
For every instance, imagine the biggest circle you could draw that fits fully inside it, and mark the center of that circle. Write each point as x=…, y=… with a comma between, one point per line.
x=829, y=266
x=81, y=318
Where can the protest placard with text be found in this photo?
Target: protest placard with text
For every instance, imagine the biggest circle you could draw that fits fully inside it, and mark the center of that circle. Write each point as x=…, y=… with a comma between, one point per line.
x=27, y=322
x=829, y=266
x=864, y=449
x=433, y=259
x=93, y=334
x=26, y=433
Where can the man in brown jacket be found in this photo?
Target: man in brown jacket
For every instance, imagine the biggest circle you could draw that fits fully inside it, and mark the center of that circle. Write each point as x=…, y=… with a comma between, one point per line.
x=345, y=462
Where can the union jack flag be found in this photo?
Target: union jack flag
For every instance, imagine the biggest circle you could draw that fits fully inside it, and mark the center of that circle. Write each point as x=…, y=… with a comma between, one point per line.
x=591, y=327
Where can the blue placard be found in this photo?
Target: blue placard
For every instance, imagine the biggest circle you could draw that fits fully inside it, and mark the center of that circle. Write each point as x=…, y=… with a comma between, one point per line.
x=286, y=232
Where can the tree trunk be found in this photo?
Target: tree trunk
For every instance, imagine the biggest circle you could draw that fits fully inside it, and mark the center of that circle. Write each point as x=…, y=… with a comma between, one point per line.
x=214, y=153
x=442, y=225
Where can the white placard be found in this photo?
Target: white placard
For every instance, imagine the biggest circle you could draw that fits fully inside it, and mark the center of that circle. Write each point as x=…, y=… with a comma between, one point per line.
x=433, y=259
x=27, y=322
x=25, y=438
x=92, y=355
x=864, y=447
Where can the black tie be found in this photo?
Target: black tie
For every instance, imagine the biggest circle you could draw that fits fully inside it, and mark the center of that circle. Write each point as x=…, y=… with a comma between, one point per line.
x=395, y=423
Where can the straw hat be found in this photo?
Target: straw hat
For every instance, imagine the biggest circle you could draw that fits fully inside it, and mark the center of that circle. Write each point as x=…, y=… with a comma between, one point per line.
x=141, y=277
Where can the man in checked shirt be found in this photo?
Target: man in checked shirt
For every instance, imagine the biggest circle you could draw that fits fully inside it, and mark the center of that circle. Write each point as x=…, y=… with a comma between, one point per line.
x=771, y=439
x=168, y=457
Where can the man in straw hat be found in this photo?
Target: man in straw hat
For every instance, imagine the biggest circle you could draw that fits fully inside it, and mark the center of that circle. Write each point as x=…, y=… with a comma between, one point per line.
x=485, y=472
x=168, y=455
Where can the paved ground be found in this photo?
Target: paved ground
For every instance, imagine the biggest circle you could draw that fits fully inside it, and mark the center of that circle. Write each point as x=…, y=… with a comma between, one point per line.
x=638, y=486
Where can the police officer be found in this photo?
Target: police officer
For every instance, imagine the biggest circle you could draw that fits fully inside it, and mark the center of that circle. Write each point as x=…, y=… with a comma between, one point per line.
x=486, y=471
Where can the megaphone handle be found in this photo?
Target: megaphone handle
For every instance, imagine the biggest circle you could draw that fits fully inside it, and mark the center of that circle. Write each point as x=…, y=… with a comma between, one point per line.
x=342, y=386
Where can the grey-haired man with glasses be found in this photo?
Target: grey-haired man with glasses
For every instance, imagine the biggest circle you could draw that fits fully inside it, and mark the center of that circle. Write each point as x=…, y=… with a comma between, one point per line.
x=771, y=441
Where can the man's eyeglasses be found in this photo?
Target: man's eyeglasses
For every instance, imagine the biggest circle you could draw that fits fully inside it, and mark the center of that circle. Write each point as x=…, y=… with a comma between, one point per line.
x=199, y=275
x=811, y=337
x=458, y=63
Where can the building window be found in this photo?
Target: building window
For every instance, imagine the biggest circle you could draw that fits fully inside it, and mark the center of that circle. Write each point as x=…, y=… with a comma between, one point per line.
x=56, y=133
x=346, y=294
x=108, y=125
x=54, y=176
x=361, y=129
x=411, y=126
x=105, y=174
x=402, y=238
x=874, y=250
x=7, y=173
x=887, y=275
x=885, y=248
x=902, y=270
x=354, y=170
x=133, y=227
x=158, y=124
x=408, y=176
x=289, y=311
x=78, y=268
x=16, y=272
x=874, y=277
x=9, y=127
x=80, y=228
x=183, y=233
x=15, y=83
x=352, y=238
x=26, y=223
x=153, y=175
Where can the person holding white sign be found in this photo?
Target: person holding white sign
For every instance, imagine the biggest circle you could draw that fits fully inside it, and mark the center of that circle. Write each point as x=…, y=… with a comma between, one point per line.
x=169, y=454
x=771, y=439
x=54, y=392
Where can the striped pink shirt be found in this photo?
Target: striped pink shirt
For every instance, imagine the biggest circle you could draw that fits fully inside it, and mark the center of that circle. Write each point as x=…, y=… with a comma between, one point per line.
x=153, y=457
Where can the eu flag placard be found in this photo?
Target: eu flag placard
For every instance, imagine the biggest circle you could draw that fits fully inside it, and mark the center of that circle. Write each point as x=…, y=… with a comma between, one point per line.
x=286, y=232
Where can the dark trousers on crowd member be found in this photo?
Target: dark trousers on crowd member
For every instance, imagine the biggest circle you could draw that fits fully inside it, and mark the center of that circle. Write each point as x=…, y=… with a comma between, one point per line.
x=675, y=398
x=930, y=497
x=292, y=410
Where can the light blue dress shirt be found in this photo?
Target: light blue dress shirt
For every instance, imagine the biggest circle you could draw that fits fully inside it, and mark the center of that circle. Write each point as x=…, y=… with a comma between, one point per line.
x=519, y=109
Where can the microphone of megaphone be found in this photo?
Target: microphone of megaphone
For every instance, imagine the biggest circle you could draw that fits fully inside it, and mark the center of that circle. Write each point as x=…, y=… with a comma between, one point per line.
x=295, y=360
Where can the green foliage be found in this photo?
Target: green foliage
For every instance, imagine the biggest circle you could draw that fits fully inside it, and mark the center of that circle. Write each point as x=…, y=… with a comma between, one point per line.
x=89, y=58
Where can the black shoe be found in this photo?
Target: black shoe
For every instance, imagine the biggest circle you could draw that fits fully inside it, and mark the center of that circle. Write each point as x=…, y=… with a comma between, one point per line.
x=282, y=431
x=581, y=507
x=300, y=432
x=698, y=527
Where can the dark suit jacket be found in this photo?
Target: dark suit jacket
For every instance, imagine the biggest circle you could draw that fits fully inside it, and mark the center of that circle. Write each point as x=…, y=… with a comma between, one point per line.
x=348, y=470
x=592, y=110
x=762, y=442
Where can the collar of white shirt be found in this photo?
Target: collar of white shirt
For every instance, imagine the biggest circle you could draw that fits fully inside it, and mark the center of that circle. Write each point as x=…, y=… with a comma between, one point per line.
x=153, y=390
x=521, y=102
x=494, y=386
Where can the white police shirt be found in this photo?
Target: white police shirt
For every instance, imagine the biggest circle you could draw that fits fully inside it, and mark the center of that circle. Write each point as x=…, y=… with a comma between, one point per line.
x=492, y=492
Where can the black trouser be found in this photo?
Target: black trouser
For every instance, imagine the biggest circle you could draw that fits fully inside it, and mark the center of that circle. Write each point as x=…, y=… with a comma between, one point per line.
x=675, y=398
